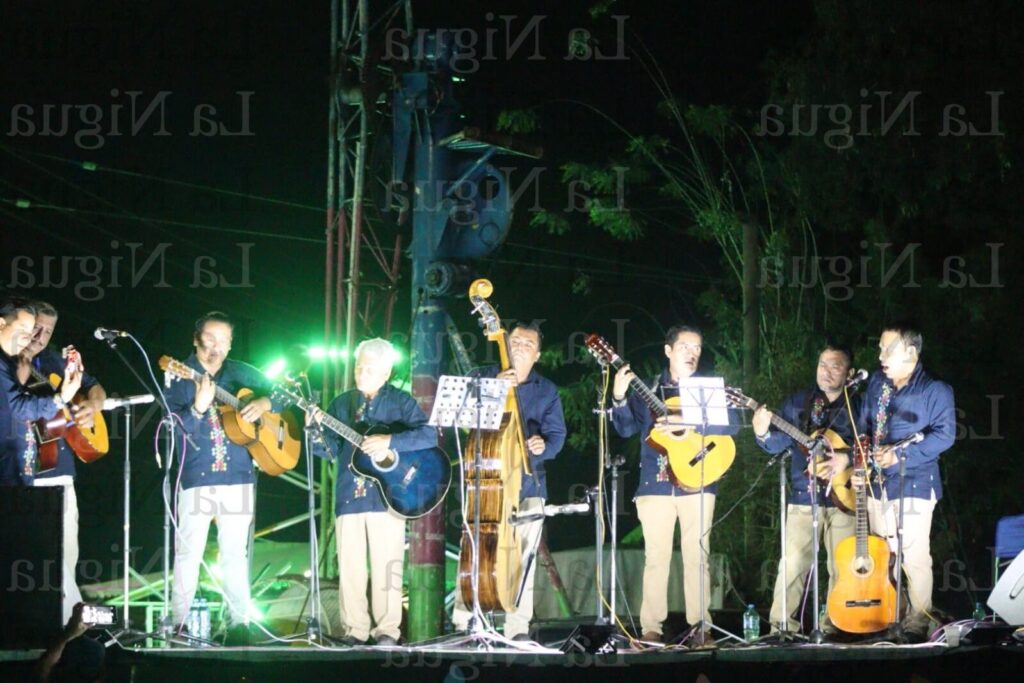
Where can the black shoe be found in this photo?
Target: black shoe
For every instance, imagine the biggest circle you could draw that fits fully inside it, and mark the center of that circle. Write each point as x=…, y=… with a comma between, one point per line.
x=386, y=641
x=350, y=641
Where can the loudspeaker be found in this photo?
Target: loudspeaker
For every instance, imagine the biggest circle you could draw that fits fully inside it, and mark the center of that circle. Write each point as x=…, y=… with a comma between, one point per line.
x=31, y=565
x=591, y=638
x=1007, y=598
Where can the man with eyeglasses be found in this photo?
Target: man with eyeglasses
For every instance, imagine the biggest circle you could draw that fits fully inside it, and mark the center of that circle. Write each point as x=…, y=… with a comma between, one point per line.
x=544, y=427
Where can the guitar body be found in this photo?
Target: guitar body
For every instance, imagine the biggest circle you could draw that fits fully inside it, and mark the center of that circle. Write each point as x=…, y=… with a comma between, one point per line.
x=414, y=483
x=274, y=441
x=694, y=461
x=842, y=493
x=88, y=444
x=864, y=598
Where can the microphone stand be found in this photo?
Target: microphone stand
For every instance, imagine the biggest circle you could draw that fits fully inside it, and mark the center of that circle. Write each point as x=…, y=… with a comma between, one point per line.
x=165, y=630
x=895, y=631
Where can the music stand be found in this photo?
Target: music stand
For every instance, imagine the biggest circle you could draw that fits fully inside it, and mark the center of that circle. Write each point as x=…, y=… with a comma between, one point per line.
x=452, y=408
x=702, y=404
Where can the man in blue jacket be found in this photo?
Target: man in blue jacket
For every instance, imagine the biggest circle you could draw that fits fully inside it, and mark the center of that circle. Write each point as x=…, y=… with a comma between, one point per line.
x=660, y=504
x=46, y=361
x=901, y=400
x=18, y=407
x=821, y=407
x=364, y=525
x=216, y=475
x=544, y=429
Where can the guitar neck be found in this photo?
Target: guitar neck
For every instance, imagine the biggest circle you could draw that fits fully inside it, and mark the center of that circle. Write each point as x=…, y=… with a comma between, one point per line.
x=792, y=432
x=656, y=405
x=333, y=423
x=227, y=398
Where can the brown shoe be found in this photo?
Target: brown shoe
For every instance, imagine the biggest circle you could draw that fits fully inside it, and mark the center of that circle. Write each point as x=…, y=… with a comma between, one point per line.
x=651, y=637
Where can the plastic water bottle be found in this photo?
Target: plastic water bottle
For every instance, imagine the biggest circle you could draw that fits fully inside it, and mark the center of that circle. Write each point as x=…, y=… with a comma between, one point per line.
x=979, y=612
x=204, y=619
x=751, y=624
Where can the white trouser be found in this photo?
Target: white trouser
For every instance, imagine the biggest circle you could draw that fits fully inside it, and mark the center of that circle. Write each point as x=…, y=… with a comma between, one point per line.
x=518, y=622
x=380, y=538
x=72, y=595
x=917, y=556
x=232, y=508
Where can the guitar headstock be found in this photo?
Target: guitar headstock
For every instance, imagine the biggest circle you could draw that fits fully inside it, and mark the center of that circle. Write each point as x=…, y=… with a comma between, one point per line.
x=601, y=350
x=175, y=369
x=735, y=397
x=489, y=320
x=288, y=392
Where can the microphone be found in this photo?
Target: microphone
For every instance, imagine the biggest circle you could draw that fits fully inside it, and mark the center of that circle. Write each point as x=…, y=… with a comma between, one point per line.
x=115, y=403
x=103, y=334
x=551, y=511
x=857, y=378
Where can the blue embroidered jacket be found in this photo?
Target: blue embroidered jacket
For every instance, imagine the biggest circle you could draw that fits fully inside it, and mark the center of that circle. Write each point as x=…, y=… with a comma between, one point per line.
x=215, y=460
x=924, y=405
x=18, y=407
x=391, y=406
x=632, y=416
x=797, y=410
x=541, y=409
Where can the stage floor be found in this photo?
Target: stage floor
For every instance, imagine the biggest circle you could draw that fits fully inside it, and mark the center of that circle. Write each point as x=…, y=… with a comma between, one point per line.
x=442, y=662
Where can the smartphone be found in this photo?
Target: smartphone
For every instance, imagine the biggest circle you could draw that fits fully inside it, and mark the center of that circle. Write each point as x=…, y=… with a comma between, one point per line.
x=98, y=615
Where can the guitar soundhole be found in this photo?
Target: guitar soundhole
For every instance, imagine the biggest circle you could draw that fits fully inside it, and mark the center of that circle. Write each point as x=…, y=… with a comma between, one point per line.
x=862, y=566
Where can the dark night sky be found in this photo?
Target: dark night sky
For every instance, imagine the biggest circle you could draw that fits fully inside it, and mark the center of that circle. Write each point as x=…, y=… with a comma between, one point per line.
x=195, y=54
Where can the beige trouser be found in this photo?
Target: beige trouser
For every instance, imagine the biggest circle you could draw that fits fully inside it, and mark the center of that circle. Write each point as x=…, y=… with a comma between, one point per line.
x=917, y=556
x=834, y=525
x=517, y=622
x=381, y=536
x=658, y=516
x=232, y=506
x=71, y=595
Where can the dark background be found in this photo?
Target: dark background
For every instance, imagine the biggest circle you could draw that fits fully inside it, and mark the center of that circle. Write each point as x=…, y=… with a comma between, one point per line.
x=721, y=53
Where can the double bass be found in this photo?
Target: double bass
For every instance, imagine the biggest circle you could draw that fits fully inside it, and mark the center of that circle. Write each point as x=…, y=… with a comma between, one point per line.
x=503, y=460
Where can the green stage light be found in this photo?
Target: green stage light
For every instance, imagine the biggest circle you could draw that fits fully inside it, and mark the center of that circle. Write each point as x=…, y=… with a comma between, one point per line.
x=276, y=368
x=317, y=352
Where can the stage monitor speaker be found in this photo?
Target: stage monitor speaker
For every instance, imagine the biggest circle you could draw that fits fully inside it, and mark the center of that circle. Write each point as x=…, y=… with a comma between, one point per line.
x=1007, y=598
x=592, y=639
x=31, y=565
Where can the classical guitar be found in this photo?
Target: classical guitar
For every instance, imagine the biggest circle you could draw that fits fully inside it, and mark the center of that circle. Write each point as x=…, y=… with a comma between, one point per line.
x=274, y=441
x=694, y=461
x=88, y=443
x=816, y=446
x=863, y=599
x=412, y=483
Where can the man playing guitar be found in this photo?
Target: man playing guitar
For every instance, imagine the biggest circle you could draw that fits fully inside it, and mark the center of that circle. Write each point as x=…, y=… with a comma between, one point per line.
x=818, y=408
x=46, y=361
x=902, y=399
x=661, y=504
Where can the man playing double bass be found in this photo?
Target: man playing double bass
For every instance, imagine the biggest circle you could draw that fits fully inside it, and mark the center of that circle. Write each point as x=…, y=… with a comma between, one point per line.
x=544, y=429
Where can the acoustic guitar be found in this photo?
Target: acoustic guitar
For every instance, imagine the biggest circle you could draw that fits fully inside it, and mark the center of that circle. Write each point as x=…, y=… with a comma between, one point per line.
x=816, y=447
x=412, y=483
x=274, y=441
x=89, y=444
x=863, y=599
x=695, y=461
